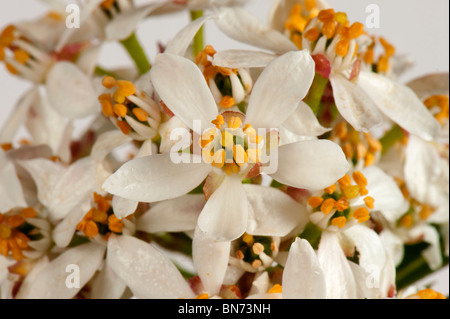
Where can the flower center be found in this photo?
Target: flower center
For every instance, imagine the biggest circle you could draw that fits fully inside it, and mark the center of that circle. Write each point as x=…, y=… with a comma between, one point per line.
x=356, y=146
x=16, y=233
x=23, y=57
x=100, y=219
x=251, y=249
x=383, y=64
x=131, y=110
x=334, y=206
x=228, y=86
x=230, y=145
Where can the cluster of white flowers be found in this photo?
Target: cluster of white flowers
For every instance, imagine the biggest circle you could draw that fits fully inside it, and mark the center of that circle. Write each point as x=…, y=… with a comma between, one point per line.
x=300, y=169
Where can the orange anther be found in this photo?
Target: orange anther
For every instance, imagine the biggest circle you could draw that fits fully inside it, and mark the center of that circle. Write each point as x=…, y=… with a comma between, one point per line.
x=15, y=221
x=339, y=221
x=325, y=15
x=140, y=114
x=124, y=127
x=359, y=178
x=312, y=34
x=108, y=82
x=327, y=205
x=227, y=101
x=369, y=201
x=342, y=47
x=120, y=110
x=91, y=229
x=355, y=30
x=29, y=212
x=329, y=28
x=315, y=201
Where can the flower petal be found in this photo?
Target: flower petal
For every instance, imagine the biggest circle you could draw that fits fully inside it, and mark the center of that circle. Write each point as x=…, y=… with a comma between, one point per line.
x=302, y=276
x=313, y=164
x=236, y=59
x=50, y=283
x=123, y=207
x=383, y=188
x=180, y=42
x=107, y=285
x=430, y=84
x=339, y=279
x=354, y=104
x=278, y=90
x=225, y=214
x=125, y=23
x=70, y=91
x=400, y=104
x=183, y=88
x=272, y=212
x=173, y=215
x=210, y=270
x=145, y=270
x=240, y=25
x=303, y=122
x=11, y=193
x=154, y=178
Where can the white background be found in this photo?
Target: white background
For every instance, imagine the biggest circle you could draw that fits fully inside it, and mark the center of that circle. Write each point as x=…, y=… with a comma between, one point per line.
x=415, y=27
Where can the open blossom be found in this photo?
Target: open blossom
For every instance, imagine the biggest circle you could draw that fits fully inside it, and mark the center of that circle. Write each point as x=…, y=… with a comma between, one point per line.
x=360, y=95
x=264, y=111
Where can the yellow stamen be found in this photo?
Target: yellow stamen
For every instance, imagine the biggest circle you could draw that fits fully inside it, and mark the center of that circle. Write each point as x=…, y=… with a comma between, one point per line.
x=361, y=214
x=125, y=88
x=369, y=201
x=239, y=255
x=327, y=205
x=21, y=56
x=29, y=212
x=256, y=263
x=227, y=101
x=91, y=229
x=325, y=15
x=218, y=159
x=312, y=34
x=330, y=189
x=359, y=179
x=6, y=146
x=254, y=155
x=341, y=204
x=248, y=239
x=276, y=289
x=339, y=221
x=315, y=201
x=345, y=181
x=329, y=28
x=234, y=122
x=202, y=296
x=226, y=139
x=429, y=294
x=120, y=110
x=369, y=159
x=218, y=121
x=355, y=30
x=15, y=221
x=240, y=156
x=124, y=127
x=351, y=191
x=140, y=114
x=341, y=17
x=342, y=47
x=257, y=248
x=425, y=212
x=108, y=82
x=118, y=97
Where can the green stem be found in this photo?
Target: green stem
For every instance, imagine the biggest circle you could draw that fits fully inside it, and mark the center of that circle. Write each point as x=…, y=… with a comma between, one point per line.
x=102, y=72
x=413, y=271
x=136, y=52
x=315, y=93
x=394, y=135
x=198, y=43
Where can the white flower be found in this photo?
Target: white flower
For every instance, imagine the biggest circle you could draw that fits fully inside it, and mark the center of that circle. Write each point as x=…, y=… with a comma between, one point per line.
x=157, y=178
x=361, y=97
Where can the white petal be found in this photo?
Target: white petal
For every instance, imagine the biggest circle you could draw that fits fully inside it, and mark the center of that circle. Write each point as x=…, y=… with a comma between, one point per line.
x=240, y=25
x=145, y=270
x=107, y=285
x=106, y=142
x=399, y=103
x=430, y=84
x=17, y=117
x=70, y=91
x=50, y=283
x=11, y=193
x=383, y=188
x=63, y=232
x=173, y=215
x=393, y=244
x=123, y=207
x=211, y=261
x=278, y=90
x=370, y=248
x=302, y=276
x=236, y=59
x=125, y=23
x=272, y=212
x=432, y=254
x=420, y=168
x=339, y=279
x=304, y=122
x=313, y=165
x=354, y=104
x=180, y=42
x=88, y=59
x=183, y=88
x=154, y=178
x=225, y=214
